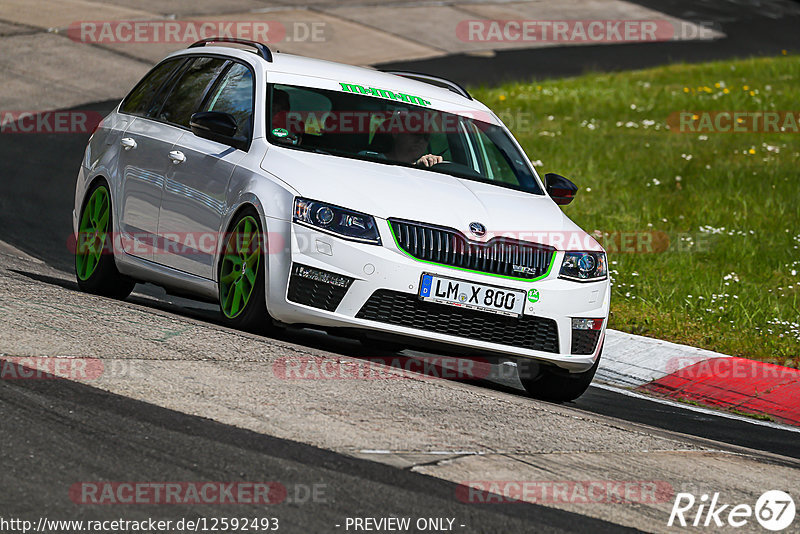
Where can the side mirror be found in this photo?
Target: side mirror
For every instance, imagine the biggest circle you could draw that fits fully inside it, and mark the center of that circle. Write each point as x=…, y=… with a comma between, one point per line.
x=561, y=190
x=216, y=126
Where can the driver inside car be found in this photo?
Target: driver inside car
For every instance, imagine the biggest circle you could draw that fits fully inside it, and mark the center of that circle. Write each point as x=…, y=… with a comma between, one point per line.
x=399, y=138
x=406, y=147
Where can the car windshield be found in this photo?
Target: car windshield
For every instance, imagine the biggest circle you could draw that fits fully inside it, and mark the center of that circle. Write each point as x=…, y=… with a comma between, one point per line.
x=396, y=129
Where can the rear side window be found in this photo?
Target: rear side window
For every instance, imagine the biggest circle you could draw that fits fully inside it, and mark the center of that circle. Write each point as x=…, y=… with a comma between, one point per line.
x=234, y=95
x=138, y=101
x=188, y=93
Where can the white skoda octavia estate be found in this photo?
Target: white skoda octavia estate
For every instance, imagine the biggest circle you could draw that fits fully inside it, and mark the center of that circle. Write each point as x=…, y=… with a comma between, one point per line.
x=299, y=191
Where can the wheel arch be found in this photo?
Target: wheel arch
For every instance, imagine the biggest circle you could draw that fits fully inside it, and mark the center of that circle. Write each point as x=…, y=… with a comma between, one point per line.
x=248, y=201
x=83, y=195
x=91, y=183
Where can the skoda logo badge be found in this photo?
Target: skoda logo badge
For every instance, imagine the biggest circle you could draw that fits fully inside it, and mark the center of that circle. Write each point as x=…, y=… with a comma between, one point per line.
x=477, y=229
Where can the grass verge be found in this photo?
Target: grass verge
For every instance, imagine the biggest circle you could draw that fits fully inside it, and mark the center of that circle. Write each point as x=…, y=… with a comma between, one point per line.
x=729, y=203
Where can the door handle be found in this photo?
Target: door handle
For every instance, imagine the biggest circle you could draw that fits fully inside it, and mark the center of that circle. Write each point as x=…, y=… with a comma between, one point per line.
x=177, y=157
x=127, y=143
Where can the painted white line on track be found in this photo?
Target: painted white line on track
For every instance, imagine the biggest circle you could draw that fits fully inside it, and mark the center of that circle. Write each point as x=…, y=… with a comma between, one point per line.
x=699, y=409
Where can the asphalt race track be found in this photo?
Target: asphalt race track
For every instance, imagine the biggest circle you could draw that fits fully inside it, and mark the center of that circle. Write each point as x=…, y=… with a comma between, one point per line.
x=93, y=434
x=35, y=206
x=56, y=432
x=752, y=28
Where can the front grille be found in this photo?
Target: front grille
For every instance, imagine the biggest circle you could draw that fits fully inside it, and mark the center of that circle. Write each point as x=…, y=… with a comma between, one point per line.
x=584, y=341
x=445, y=246
x=317, y=288
x=403, y=309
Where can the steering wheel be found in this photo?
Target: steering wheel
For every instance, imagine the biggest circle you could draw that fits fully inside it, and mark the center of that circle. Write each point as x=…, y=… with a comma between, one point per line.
x=455, y=167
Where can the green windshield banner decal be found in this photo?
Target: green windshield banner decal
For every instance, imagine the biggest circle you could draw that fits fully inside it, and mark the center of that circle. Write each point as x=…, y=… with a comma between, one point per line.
x=383, y=93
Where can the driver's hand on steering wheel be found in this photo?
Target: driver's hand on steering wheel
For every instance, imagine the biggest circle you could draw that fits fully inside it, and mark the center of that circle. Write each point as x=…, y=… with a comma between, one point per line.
x=428, y=160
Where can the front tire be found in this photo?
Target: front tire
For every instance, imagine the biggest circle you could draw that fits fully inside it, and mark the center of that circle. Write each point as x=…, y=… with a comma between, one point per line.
x=241, y=286
x=95, y=269
x=557, y=385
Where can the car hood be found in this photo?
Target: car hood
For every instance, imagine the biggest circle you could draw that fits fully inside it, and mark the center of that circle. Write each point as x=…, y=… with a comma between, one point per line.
x=391, y=191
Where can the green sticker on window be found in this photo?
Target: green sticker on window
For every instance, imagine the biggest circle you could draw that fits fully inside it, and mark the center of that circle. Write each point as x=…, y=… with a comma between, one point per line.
x=280, y=132
x=533, y=295
x=384, y=93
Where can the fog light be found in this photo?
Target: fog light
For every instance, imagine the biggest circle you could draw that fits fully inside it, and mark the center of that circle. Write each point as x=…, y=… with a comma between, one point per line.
x=586, y=324
x=319, y=275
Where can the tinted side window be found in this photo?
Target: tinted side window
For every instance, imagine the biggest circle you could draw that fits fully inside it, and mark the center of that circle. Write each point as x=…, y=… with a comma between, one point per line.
x=234, y=95
x=138, y=101
x=188, y=93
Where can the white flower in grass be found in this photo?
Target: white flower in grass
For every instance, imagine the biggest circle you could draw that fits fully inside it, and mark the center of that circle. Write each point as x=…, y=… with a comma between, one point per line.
x=731, y=276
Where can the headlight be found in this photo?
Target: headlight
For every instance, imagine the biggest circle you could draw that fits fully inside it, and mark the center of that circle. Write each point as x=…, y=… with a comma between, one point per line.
x=335, y=220
x=584, y=266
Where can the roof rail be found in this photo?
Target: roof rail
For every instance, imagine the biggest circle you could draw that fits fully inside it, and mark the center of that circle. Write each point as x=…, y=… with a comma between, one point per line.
x=433, y=80
x=263, y=50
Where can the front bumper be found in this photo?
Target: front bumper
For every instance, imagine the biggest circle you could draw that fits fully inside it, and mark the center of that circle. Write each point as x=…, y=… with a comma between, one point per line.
x=387, y=270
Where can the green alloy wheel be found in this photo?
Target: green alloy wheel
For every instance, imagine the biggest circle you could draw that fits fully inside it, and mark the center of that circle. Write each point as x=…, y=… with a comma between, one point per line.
x=241, y=275
x=94, y=259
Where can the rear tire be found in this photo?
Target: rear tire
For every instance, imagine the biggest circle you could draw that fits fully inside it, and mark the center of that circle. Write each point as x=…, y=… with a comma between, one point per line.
x=95, y=268
x=241, y=276
x=558, y=385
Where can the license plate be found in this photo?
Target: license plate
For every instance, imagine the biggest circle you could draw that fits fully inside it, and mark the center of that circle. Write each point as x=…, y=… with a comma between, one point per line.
x=472, y=296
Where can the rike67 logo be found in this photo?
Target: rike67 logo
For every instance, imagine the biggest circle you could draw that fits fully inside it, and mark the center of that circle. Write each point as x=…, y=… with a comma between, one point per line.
x=774, y=510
